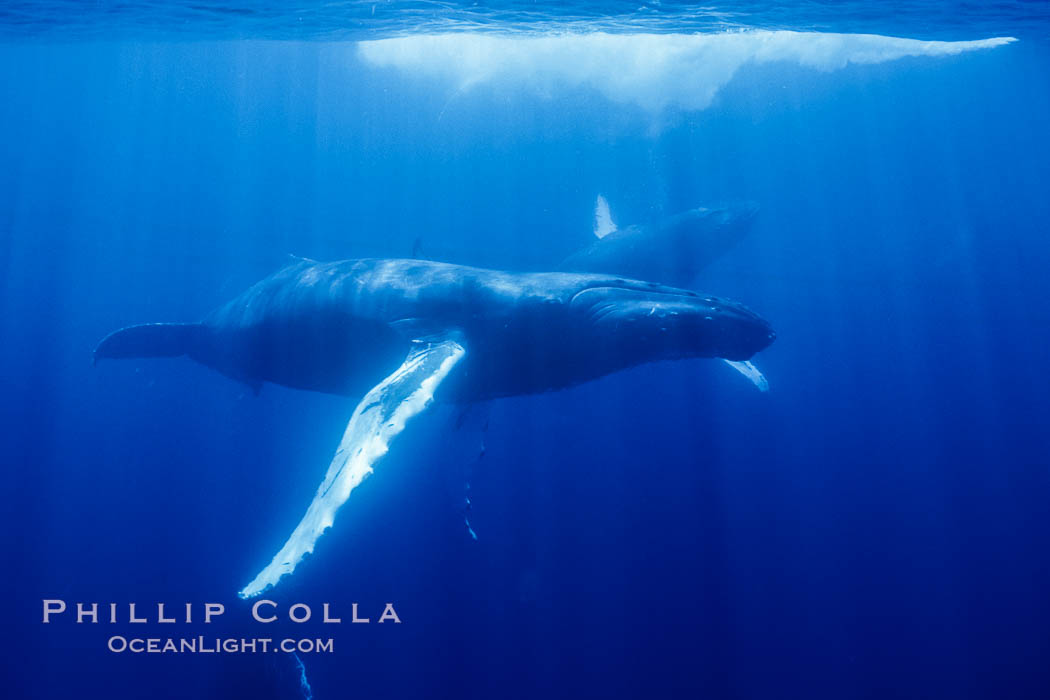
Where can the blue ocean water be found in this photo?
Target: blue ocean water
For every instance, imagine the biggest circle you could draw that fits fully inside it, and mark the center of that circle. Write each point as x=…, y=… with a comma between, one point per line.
x=874, y=526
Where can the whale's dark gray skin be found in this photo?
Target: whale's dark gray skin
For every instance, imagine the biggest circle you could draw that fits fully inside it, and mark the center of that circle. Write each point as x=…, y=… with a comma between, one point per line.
x=476, y=334
x=672, y=250
x=337, y=327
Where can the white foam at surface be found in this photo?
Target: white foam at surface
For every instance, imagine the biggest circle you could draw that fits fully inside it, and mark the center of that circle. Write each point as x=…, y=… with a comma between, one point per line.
x=652, y=71
x=378, y=419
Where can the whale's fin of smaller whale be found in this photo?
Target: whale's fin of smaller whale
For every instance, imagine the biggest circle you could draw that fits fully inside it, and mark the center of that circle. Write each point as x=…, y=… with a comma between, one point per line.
x=149, y=340
x=751, y=372
x=603, y=223
x=378, y=419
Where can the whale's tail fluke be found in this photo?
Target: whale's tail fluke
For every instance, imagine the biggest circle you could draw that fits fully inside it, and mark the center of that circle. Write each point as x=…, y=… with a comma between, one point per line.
x=149, y=340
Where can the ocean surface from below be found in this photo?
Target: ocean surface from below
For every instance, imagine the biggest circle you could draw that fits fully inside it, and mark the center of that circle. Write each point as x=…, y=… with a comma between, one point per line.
x=350, y=20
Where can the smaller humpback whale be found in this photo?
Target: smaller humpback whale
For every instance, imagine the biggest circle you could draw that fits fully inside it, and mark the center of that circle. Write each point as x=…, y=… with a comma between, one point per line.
x=672, y=250
x=478, y=334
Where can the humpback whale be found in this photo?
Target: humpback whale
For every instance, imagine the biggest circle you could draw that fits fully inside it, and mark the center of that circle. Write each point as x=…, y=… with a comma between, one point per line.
x=395, y=331
x=672, y=250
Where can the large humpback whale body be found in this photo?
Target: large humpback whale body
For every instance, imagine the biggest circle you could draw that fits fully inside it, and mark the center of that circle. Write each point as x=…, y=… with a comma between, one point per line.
x=341, y=327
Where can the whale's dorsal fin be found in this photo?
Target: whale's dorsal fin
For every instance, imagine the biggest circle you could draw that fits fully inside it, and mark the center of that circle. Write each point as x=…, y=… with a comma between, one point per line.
x=378, y=419
x=603, y=223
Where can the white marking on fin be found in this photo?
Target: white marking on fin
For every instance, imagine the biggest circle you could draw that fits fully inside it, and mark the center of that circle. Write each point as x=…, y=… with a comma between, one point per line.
x=751, y=372
x=377, y=420
x=603, y=223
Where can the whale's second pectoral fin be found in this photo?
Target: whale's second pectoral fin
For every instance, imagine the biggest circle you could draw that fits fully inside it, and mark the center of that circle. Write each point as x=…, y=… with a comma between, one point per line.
x=378, y=419
x=751, y=372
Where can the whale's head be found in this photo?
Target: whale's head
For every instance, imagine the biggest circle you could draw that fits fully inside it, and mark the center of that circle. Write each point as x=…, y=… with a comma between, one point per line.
x=732, y=220
x=656, y=323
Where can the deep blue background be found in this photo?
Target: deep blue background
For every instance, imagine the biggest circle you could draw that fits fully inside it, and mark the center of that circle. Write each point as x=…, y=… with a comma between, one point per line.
x=876, y=526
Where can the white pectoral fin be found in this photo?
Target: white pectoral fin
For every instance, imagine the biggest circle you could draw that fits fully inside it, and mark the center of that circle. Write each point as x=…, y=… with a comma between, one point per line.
x=378, y=419
x=751, y=372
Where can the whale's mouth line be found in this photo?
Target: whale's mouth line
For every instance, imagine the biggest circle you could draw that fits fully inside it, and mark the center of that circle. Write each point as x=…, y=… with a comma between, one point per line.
x=623, y=285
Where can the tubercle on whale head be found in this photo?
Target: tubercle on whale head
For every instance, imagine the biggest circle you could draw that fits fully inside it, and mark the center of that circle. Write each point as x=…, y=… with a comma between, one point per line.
x=666, y=323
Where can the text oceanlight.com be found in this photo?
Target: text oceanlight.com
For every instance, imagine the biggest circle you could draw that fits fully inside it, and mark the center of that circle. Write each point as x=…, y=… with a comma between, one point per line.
x=215, y=645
